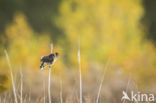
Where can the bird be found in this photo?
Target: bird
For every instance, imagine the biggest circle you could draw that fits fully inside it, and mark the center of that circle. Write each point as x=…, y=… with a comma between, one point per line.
x=49, y=59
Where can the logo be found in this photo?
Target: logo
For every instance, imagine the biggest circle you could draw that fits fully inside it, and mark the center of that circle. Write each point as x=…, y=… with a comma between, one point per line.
x=137, y=97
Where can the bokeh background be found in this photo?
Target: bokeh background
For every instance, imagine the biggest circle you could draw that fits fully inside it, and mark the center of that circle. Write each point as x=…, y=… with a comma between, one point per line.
x=121, y=32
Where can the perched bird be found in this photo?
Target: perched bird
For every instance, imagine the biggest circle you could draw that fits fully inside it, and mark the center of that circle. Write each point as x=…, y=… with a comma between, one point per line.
x=49, y=59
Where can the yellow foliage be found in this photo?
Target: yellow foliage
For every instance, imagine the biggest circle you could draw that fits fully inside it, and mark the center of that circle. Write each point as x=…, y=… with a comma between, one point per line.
x=24, y=47
x=108, y=28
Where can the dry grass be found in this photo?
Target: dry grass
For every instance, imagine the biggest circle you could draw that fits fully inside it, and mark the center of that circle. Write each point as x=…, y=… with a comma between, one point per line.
x=12, y=78
x=35, y=88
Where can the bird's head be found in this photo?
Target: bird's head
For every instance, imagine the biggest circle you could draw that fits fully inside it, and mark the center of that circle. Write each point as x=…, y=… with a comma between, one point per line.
x=56, y=55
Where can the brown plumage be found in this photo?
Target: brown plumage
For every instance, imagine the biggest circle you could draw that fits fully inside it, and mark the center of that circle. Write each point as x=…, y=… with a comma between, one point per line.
x=49, y=59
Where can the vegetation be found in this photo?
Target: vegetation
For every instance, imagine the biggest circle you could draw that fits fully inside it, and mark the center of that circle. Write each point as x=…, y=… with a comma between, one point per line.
x=104, y=30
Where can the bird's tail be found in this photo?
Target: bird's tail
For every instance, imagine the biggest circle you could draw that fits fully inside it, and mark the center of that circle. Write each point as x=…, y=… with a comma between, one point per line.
x=42, y=66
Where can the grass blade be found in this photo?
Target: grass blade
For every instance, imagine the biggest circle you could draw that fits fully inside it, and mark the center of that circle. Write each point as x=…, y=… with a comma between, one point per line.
x=100, y=87
x=61, y=99
x=44, y=91
x=49, y=85
x=12, y=79
x=50, y=77
x=80, y=74
x=21, y=98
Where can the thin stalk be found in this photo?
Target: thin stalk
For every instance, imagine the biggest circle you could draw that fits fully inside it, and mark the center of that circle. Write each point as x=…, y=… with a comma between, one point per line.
x=49, y=85
x=50, y=77
x=4, y=98
x=80, y=75
x=25, y=99
x=61, y=99
x=100, y=87
x=44, y=90
x=12, y=79
x=21, y=99
x=29, y=95
x=127, y=87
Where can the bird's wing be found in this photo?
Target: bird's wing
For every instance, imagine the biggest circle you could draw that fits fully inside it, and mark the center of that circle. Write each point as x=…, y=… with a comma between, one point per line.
x=43, y=58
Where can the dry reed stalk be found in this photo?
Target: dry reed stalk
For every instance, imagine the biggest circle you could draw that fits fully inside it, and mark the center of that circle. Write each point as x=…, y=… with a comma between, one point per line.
x=80, y=73
x=12, y=79
x=100, y=87
x=50, y=77
x=61, y=99
x=21, y=95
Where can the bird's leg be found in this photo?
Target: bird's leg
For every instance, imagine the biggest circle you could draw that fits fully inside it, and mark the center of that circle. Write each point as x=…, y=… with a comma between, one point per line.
x=49, y=65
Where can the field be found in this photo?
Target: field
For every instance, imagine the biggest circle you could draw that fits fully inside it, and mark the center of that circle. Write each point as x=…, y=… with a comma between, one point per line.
x=99, y=51
x=97, y=86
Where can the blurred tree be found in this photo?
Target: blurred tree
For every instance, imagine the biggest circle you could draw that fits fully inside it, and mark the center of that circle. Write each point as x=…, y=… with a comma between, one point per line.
x=4, y=82
x=150, y=18
x=40, y=14
x=24, y=47
x=108, y=28
x=105, y=28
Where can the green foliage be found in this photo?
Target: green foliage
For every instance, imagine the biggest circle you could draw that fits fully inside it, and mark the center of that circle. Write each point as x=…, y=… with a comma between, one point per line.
x=39, y=13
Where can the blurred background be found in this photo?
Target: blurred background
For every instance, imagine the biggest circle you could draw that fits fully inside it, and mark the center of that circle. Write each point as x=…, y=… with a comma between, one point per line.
x=121, y=32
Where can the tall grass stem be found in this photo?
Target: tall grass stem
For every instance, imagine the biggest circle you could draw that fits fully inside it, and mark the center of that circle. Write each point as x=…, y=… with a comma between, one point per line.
x=21, y=98
x=51, y=46
x=100, y=87
x=61, y=99
x=12, y=79
x=80, y=73
x=44, y=91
